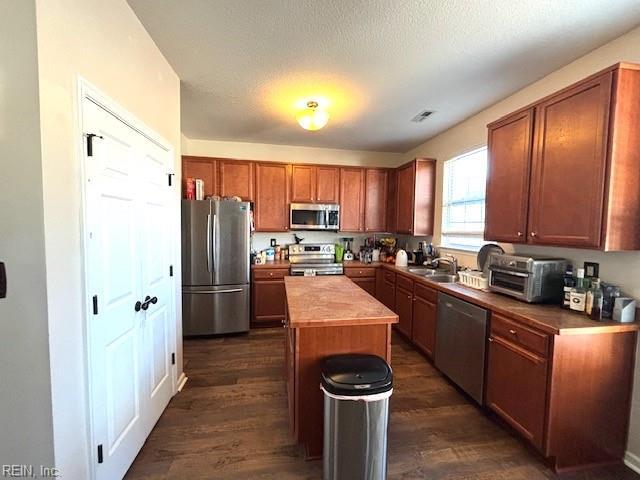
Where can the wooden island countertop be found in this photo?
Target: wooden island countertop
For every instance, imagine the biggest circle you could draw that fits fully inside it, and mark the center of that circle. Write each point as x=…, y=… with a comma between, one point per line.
x=335, y=300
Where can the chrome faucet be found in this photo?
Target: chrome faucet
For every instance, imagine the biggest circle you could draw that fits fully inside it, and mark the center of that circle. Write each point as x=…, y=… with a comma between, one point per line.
x=448, y=258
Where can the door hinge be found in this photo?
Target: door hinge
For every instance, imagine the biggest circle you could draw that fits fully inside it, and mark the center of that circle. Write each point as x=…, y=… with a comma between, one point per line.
x=170, y=175
x=173, y=359
x=100, y=457
x=171, y=270
x=90, y=137
x=95, y=304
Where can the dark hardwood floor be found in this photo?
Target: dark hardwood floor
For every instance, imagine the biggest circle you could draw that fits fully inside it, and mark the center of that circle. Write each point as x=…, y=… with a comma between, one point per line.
x=231, y=422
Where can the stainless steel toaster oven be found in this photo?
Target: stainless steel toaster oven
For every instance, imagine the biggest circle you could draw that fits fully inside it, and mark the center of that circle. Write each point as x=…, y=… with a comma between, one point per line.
x=528, y=278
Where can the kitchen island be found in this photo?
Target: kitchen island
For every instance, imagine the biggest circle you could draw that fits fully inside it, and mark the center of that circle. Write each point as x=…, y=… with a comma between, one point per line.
x=326, y=316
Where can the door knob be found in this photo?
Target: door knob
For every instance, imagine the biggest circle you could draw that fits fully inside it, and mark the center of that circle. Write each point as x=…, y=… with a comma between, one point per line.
x=138, y=306
x=147, y=301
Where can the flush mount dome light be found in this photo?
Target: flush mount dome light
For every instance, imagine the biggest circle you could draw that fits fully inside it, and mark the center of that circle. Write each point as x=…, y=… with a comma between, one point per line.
x=312, y=117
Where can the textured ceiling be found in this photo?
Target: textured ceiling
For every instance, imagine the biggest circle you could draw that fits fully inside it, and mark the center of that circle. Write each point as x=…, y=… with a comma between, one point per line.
x=245, y=64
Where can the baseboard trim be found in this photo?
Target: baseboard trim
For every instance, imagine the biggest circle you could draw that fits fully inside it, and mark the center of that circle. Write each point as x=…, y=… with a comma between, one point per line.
x=181, y=381
x=632, y=461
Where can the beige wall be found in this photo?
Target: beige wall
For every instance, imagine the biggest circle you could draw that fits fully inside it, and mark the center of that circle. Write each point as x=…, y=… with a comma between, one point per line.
x=104, y=42
x=287, y=153
x=619, y=268
x=25, y=389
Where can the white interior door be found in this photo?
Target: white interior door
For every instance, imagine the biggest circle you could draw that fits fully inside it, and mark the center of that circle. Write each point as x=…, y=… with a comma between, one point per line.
x=128, y=257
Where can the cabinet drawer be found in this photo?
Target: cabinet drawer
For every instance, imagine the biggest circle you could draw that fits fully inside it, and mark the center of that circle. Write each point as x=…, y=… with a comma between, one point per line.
x=404, y=282
x=518, y=334
x=267, y=273
x=389, y=277
x=425, y=293
x=360, y=272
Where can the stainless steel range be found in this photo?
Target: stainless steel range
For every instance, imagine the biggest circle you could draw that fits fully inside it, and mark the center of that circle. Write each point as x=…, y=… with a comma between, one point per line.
x=314, y=259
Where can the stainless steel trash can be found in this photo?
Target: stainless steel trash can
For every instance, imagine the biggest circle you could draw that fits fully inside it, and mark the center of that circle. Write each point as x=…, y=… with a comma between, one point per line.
x=356, y=413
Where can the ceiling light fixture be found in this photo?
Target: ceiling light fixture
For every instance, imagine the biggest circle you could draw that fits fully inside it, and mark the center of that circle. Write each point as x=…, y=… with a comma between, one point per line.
x=312, y=118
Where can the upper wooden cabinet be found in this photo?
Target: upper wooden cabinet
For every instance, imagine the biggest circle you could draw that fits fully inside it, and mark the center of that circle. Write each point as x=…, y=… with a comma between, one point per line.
x=415, y=197
x=236, y=179
x=271, y=209
x=582, y=170
x=352, y=184
x=204, y=168
x=315, y=184
x=507, y=197
x=392, y=213
x=375, y=208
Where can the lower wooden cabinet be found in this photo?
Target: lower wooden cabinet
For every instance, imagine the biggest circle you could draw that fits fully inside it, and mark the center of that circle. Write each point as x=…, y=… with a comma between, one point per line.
x=423, y=327
x=367, y=284
x=364, y=277
x=268, y=298
x=404, y=309
x=517, y=387
x=386, y=288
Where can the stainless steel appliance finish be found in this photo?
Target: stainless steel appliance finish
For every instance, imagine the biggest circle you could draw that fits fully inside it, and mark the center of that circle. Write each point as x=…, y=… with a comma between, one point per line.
x=314, y=259
x=314, y=216
x=215, y=266
x=528, y=278
x=461, y=334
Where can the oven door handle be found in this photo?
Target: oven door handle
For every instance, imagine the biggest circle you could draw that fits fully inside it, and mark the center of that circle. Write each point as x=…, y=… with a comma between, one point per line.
x=509, y=272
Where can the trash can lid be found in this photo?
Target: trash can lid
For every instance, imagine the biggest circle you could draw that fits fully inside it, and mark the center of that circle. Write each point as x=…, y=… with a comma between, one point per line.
x=356, y=375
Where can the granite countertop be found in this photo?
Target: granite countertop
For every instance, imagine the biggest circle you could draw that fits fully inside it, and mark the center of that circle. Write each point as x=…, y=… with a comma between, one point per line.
x=332, y=301
x=551, y=319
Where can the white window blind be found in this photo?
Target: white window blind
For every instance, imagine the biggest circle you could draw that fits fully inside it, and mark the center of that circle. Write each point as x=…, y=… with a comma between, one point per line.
x=463, y=200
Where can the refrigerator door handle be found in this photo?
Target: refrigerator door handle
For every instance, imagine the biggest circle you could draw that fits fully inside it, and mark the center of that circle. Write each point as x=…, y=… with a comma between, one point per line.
x=215, y=239
x=209, y=242
x=202, y=292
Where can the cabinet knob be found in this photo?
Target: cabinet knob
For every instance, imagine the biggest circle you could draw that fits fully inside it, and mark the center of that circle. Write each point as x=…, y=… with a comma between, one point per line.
x=491, y=339
x=513, y=332
x=533, y=234
x=271, y=274
x=519, y=234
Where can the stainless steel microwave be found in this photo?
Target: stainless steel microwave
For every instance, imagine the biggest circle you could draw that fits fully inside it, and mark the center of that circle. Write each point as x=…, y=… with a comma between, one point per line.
x=314, y=216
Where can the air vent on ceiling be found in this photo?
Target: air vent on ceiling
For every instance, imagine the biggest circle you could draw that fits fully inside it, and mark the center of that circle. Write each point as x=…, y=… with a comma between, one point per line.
x=422, y=116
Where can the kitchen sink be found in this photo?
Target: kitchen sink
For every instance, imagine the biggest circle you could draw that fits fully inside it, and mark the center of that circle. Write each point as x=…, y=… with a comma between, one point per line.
x=443, y=278
x=423, y=271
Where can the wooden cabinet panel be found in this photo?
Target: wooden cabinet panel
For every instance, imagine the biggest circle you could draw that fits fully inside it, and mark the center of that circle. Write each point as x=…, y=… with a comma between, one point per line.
x=352, y=199
x=392, y=212
x=359, y=272
x=271, y=210
x=404, y=309
x=290, y=375
x=367, y=284
x=527, y=338
x=327, y=184
x=386, y=288
x=303, y=183
x=423, y=328
x=517, y=388
x=375, y=210
x=507, y=199
x=270, y=273
x=405, y=195
x=236, y=179
x=200, y=167
x=268, y=302
x=569, y=165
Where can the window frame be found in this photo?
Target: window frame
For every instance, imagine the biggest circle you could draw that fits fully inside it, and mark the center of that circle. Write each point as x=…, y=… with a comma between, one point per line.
x=445, y=233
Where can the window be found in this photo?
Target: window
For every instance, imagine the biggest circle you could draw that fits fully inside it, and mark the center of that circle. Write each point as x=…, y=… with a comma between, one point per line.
x=463, y=200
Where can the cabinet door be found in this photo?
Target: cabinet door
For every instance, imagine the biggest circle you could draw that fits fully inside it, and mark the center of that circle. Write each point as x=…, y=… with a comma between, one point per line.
x=392, y=213
x=509, y=161
x=367, y=284
x=404, y=309
x=405, y=198
x=352, y=199
x=375, y=208
x=268, y=301
x=517, y=388
x=327, y=184
x=200, y=167
x=272, y=197
x=236, y=179
x=423, y=331
x=303, y=183
x=569, y=165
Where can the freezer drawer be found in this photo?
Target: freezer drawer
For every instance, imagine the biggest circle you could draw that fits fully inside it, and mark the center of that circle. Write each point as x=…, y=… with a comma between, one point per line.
x=213, y=310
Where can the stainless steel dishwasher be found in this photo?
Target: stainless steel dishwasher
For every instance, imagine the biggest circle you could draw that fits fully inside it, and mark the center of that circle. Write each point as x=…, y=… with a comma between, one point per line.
x=461, y=334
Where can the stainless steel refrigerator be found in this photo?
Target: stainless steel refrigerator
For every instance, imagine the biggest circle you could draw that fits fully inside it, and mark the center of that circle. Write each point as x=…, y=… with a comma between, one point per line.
x=215, y=266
